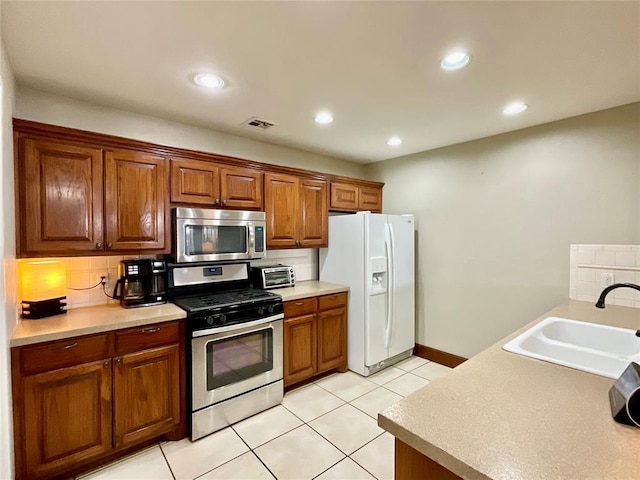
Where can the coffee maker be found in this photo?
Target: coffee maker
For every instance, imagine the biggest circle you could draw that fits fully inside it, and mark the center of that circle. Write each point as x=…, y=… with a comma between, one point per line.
x=141, y=283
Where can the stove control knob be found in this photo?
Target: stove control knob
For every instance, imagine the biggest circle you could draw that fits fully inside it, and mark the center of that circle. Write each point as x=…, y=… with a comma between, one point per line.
x=209, y=320
x=270, y=308
x=260, y=310
x=223, y=318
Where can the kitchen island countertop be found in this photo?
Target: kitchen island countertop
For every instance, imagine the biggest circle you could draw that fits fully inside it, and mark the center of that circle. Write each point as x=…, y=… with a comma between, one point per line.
x=504, y=416
x=88, y=320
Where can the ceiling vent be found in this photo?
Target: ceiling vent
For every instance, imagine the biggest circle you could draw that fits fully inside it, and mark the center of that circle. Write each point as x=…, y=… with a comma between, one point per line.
x=259, y=123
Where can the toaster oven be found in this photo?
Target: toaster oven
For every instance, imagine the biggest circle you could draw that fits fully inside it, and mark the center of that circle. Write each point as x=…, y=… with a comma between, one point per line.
x=273, y=276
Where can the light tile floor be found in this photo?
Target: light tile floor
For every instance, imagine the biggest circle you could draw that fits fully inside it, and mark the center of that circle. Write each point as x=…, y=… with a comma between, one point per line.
x=325, y=430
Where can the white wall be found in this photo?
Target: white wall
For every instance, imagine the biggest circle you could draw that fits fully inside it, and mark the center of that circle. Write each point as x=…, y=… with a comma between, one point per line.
x=58, y=110
x=496, y=217
x=8, y=266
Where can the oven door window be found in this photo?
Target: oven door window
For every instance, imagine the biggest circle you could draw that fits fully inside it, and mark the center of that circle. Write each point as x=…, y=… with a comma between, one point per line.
x=234, y=359
x=211, y=239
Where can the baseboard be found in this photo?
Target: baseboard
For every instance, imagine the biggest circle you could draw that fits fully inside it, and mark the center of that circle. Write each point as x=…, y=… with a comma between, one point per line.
x=438, y=356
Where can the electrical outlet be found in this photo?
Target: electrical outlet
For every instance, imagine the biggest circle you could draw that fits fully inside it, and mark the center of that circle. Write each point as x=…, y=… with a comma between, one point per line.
x=607, y=279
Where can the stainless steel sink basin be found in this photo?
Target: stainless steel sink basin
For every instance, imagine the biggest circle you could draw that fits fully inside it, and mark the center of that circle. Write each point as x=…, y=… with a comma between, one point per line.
x=593, y=348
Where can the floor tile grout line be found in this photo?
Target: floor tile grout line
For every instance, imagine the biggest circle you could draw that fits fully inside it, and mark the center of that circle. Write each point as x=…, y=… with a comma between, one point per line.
x=254, y=453
x=166, y=460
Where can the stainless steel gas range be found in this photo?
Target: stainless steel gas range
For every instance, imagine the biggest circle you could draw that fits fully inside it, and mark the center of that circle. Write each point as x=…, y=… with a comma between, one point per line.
x=234, y=343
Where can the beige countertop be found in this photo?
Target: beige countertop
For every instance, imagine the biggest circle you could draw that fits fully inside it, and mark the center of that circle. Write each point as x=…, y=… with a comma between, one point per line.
x=311, y=288
x=88, y=320
x=505, y=416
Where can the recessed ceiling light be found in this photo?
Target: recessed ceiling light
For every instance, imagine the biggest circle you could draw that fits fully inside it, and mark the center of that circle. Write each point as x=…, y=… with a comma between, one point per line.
x=323, y=118
x=394, y=141
x=514, y=108
x=208, y=80
x=455, y=61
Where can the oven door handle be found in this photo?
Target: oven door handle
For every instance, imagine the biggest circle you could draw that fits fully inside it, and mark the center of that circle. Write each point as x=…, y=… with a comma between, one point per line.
x=236, y=326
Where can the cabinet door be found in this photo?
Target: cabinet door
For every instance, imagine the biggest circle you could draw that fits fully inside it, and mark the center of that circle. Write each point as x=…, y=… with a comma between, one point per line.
x=315, y=213
x=67, y=415
x=62, y=197
x=300, y=348
x=344, y=196
x=241, y=188
x=370, y=199
x=195, y=181
x=332, y=339
x=146, y=394
x=282, y=210
x=135, y=200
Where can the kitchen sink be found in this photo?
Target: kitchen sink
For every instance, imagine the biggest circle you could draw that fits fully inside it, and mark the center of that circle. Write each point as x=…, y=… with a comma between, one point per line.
x=590, y=347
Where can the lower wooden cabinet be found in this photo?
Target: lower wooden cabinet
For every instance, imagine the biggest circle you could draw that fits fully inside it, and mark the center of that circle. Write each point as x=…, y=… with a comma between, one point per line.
x=315, y=336
x=146, y=400
x=66, y=415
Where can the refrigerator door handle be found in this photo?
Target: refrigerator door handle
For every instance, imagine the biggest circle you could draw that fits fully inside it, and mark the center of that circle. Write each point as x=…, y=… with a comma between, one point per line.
x=388, y=238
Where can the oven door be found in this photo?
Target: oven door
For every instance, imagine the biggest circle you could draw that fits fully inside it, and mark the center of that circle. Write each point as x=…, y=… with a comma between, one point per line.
x=229, y=361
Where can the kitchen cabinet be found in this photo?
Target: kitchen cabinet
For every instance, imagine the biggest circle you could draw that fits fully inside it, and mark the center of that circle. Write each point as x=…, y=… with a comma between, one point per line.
x=215, y=185
x=146, y=397
x=86, y=193
x=135, y=200
x=60, y=191
x=348, y=197
x=67, y=416
x=296, y=211
x=315, y=336
x=82, y=399
x=75, y=199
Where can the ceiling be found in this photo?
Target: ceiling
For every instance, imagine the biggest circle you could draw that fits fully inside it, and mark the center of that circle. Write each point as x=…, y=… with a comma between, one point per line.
x=374, y=65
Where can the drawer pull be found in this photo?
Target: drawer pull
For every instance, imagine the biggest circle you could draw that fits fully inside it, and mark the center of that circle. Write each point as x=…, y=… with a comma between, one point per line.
x=150, y=330
x=299, y=303
x=71, y=345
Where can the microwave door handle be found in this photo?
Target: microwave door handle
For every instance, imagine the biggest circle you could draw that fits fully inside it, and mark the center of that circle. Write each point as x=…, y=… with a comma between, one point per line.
x=252, y=239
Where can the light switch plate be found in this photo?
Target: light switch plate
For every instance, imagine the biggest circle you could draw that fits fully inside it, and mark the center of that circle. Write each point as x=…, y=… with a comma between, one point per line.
x=607, y=279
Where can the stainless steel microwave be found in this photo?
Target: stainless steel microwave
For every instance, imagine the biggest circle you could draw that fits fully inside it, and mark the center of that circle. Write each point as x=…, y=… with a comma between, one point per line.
x=208, y=235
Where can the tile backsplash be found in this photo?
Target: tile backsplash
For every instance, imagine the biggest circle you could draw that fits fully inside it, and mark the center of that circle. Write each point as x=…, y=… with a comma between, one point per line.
x=85, y=272
x=303, y=260
x=590, y=263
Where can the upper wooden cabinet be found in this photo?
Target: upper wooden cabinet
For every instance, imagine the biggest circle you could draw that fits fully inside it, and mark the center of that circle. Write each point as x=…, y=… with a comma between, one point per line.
x=296, y=210
x=84, y=193
x=74, y=199
x=135, y=200
x=206, y=183
x=60, y=188
x=347, y=197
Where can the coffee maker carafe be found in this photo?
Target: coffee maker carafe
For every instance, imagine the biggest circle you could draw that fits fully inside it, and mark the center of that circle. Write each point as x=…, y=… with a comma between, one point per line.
x=141, y=283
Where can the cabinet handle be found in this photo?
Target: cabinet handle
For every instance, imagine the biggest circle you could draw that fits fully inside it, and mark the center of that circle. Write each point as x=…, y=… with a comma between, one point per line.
x=109, y=245
x=118, y=361
x=217, y=202
x=106, y=364
x=98, y=245
x=71, y=345
x=299, y=303
x=150, y=330
x=224, y=202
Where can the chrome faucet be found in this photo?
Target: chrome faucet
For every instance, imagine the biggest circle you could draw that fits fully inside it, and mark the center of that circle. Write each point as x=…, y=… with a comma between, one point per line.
x=600, y=302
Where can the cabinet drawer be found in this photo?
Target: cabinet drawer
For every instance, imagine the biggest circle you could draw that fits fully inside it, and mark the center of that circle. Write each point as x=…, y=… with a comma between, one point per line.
x=64, y=353
x=300, y=307
x=331, y=301
x=147, y=336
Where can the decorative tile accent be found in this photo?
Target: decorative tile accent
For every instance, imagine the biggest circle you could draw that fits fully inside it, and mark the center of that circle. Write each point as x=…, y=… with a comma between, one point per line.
x=588, y=263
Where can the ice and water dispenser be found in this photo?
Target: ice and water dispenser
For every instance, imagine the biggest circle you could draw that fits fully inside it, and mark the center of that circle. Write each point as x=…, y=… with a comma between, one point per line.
x=378, y=271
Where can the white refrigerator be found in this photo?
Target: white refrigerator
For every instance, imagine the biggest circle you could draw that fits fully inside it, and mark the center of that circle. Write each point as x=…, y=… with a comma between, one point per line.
x=374, y=255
